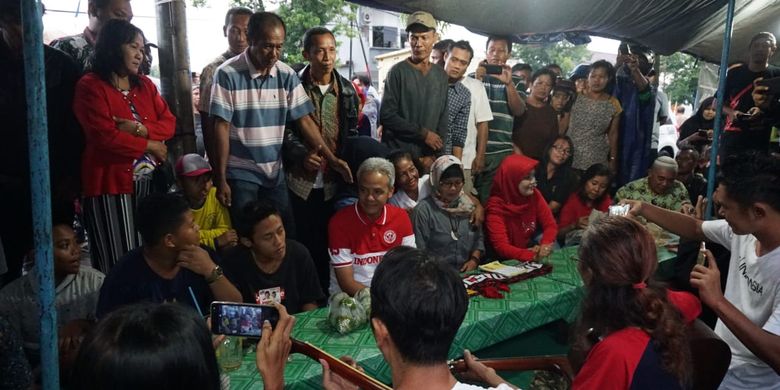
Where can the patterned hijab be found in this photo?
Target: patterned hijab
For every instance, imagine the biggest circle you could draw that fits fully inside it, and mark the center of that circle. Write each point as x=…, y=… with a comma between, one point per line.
x=462, y=205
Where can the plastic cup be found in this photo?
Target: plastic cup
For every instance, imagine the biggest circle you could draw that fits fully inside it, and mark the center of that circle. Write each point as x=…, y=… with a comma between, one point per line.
x=230, y=354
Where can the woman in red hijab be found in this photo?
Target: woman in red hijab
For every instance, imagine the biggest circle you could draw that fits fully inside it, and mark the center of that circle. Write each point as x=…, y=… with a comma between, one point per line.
x=516, y=210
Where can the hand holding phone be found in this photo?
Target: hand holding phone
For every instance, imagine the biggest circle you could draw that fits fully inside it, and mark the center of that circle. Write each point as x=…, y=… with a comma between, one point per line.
x=772, y=84
x=493, y=69
x=241, y=319
x=701, y=259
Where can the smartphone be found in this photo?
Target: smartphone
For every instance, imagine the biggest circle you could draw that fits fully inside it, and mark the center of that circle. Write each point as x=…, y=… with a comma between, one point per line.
x=493, y=69
x=701, y=259
x=241, y=319
x=773, y=84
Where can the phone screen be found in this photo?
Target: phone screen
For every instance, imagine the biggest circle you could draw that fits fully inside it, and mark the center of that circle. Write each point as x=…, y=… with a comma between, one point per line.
x=493, y=69
x=241, y=319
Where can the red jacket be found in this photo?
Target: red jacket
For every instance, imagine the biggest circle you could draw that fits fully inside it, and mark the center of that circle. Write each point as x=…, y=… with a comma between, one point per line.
x=512, y=219
x=106, y=164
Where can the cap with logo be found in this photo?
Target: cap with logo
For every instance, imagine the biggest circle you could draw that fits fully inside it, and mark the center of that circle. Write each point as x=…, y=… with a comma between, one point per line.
x=192, y=164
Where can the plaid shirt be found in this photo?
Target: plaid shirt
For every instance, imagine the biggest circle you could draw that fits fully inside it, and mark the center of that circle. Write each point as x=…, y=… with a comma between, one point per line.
x=458, y=107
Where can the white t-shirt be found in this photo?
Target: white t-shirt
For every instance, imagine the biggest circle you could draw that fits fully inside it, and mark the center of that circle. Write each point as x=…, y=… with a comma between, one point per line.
x=402, y=200
x=463, y=386
x=480, y=112
x=753, y=287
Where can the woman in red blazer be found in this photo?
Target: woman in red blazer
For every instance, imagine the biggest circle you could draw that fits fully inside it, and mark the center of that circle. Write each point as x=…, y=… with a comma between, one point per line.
x=516, y=210
x=125, y=123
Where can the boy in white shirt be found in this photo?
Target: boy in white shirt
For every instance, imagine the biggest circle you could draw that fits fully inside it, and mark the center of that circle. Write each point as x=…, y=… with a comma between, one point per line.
x=749, y=312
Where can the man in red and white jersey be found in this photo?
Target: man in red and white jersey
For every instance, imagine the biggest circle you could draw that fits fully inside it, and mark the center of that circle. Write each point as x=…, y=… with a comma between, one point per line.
x=361, y=234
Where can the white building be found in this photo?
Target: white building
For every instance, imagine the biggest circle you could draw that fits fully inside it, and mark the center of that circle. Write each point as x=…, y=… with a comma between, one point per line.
x=380, y=32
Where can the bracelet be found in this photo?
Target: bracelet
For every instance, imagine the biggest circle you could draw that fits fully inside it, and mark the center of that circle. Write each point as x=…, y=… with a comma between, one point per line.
x=137, y=129
x=475, y=258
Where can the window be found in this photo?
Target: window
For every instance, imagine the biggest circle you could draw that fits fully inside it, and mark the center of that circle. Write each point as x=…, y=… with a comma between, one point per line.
x=384, y=37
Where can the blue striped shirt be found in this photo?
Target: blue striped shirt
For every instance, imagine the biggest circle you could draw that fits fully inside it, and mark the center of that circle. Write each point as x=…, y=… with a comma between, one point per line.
x=257, y=108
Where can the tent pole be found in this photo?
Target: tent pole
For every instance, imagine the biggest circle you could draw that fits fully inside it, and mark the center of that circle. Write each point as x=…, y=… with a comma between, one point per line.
x=724, y=64
x=38, y=138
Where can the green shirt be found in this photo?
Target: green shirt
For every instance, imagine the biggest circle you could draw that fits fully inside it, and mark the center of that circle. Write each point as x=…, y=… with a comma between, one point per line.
x=412, y=102
x=639, y=189
x=500, y=128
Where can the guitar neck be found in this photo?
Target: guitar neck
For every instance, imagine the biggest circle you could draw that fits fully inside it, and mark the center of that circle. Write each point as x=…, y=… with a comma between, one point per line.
x=517, y=364
x=339, y=367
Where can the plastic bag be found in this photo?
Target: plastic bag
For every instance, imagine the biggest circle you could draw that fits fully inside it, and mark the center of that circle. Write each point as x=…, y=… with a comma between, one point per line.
x=346, y=313
x=364, y=298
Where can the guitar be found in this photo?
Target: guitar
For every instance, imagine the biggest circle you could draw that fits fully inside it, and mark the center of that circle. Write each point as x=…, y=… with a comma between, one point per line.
x=355, y=376
x=559, y=364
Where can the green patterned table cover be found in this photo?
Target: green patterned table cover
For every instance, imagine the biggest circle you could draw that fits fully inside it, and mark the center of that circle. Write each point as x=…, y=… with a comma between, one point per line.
x=529, y=304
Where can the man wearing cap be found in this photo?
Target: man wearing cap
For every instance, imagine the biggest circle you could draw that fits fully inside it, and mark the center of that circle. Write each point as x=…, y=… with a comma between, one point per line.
x=193, y=176
x=414, y=106
x=659, y=188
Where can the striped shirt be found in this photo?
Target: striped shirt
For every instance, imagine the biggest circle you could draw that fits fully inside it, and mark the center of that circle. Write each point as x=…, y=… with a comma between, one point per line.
x=500, y=128
x=75, y=298
x=257, y=108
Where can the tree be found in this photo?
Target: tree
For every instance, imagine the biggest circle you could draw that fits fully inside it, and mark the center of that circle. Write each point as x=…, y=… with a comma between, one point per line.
x=680, y=77
x=254, y=5
x=563, y=53
x=301, y=15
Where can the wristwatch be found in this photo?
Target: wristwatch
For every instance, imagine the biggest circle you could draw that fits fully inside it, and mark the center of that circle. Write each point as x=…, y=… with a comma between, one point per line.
x=215, y=275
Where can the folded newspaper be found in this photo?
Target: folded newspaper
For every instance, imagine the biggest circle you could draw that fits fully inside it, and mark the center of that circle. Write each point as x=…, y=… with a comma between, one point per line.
x=510, y=270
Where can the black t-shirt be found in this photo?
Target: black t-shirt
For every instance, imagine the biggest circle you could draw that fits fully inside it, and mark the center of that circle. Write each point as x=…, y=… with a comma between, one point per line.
x=132, y=281
x=559, y=187
x=296, y=277
x=740, y=77
x=696, y=185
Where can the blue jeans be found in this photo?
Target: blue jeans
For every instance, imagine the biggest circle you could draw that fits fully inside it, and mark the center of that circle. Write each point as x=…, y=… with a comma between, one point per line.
x=243, y=192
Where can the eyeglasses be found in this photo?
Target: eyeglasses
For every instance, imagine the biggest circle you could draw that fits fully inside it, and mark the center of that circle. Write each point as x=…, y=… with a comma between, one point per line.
x=562, y=149
x=451, y=184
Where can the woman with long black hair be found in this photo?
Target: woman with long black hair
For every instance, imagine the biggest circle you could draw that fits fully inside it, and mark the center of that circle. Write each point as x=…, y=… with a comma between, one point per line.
x=125, y=122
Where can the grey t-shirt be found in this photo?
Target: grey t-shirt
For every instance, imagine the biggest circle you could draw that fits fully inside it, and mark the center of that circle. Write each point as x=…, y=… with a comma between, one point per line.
x=435, y=230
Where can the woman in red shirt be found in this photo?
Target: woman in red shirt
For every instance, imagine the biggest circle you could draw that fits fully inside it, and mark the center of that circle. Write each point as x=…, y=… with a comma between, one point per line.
x=125, y=122
x=637, y=324
x=516, y=210
x=592, y=194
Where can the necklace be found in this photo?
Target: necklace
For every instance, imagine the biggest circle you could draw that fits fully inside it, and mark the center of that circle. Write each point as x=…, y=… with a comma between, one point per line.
x=454, y=228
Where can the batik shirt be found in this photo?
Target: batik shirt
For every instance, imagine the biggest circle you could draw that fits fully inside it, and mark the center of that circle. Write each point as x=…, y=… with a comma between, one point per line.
x=81, y=47
x=639, y=189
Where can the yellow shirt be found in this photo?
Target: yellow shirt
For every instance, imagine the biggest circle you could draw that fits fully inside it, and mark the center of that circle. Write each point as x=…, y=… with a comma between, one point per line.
x=213, y=219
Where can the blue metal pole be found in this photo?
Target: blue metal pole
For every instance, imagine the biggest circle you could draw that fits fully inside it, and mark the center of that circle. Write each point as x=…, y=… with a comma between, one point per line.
x=37, y=130
x=724, y=64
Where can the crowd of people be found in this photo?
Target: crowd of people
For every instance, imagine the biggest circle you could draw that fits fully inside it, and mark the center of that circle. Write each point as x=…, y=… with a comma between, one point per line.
x=310, y=184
